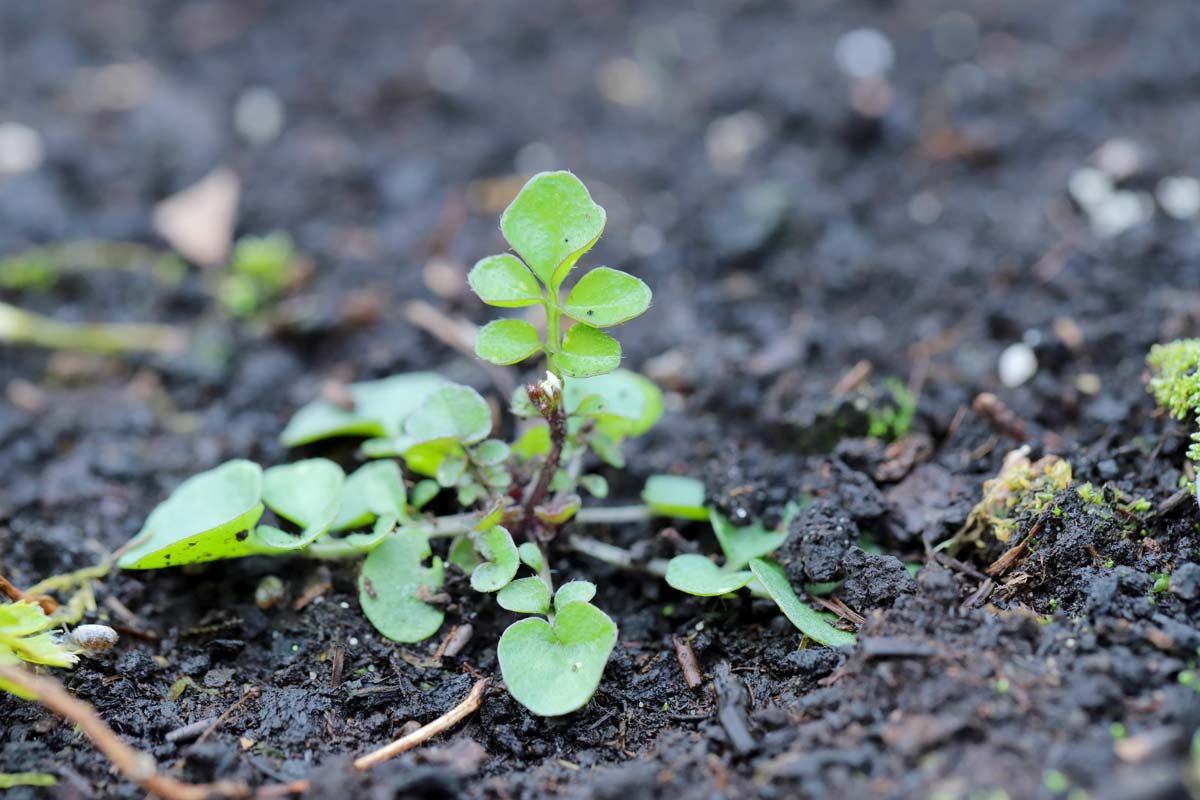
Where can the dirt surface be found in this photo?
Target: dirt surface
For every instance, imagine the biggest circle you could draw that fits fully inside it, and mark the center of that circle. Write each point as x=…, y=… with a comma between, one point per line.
x=923, y=235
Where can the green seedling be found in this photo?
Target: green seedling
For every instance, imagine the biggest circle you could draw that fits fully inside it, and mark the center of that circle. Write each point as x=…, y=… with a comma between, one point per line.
x=1175, y=383
x=27, y=635
x=259, y=270
x=513, y=497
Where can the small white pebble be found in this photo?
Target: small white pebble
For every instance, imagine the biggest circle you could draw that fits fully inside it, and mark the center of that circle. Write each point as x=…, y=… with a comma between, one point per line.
x=1120, y=212
x=312, y=676
x=258, y=115
x=864, y=53
x=21, y=149
x=1179, y=196
x=1017, y=365
x=353, y=642
x=1120, y=158
x=1089, y=187
x=343, y=604
x=700, y=626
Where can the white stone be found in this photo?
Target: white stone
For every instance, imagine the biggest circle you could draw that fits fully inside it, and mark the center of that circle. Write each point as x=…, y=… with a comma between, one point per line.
x=21, y=148
x=864, y=53
x=198, y=222
x=1089, y=186
x=1018, y=364
x=1179, y=196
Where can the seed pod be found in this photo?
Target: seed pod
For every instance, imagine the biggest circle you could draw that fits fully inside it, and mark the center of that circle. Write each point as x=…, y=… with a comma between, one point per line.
x=270, y=592
x=91, y=640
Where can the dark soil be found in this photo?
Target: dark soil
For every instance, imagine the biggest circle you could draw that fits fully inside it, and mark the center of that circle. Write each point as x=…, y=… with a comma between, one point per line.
x=924, y=241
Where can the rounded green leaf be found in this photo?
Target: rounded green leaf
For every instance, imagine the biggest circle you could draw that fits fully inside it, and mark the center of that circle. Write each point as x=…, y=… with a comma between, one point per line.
x=573, y=592
x=597, y=485
x=607, y=296
x=808, y=621
x=501, y=560
x=525, y=596
x=695, y=574
x=552, y=222
x=531, y=556
x=303, y=491
x=675, y=496
x=533, y=442
x=208, y=517
x=490, y=453
x=505, y=282
x=554, y=670
x=507, y=341
x=371, y=490
x=392, y=578
x=379, y=409
x=587, y=351
x=321, y=420
x=452, y=412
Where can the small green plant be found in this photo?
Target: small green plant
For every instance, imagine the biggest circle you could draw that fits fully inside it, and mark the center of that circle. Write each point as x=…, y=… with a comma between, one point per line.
x=1175, y=383
x=259, y=270
x=27, y=634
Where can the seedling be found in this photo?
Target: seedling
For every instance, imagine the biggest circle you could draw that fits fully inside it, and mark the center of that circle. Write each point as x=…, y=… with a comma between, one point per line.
x=27, y=634
x=1175, y=383
x=514, y=496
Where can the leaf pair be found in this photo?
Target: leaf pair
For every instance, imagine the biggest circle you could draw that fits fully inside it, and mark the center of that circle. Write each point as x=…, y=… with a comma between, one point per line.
x=550, y=224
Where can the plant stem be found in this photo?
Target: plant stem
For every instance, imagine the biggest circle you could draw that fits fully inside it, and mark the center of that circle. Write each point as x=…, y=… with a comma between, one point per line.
x=557, y=421
x=613, y=515
x=18, y=326
x=622, y=559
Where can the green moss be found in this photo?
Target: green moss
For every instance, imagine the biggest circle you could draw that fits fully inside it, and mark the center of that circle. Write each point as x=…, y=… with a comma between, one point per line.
x=1175, y=383
x=893, y=416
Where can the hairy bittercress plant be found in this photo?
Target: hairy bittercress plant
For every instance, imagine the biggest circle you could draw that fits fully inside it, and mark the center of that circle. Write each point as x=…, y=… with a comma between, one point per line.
x=514, y=496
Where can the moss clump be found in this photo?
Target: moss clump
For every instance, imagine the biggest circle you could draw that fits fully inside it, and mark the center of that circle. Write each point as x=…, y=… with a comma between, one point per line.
x=1022, y=488
x=1175, y=383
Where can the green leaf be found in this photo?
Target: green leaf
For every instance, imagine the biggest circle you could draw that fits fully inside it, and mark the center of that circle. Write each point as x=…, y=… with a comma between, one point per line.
x=462, y=554
x=23, y=618
x=302, y=492
x=11, y=780
x=353, y=544
x=525, y=596
x=507, y=341
x=597, y=485
x=558, y=510
x=379, y=409
x=552, y=222
x=371, y=491
x=426, y=458
x=675, y=496
x=742, y=544
x=452, y=412
x=531, y=556
x=392, y=577
x=695, y=574
x=622, y=402
x=208, y=517
x=809, y=622
x=587, y=351
x=490, y=453
x=533, y=442
x=423, y=492
x=573, y=592
x=554, y=670
x=606, y=296
x=451, y=469
x=501, y=560
x=505, y=282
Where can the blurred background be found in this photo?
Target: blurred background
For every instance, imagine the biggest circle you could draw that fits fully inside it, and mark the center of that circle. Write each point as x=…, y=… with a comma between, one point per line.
x=961, y=194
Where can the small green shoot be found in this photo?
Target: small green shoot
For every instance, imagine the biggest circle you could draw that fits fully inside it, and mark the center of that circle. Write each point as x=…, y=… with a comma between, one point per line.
x=809, y=622
x=675, y=496
x=696, y=575
x=1175, y=383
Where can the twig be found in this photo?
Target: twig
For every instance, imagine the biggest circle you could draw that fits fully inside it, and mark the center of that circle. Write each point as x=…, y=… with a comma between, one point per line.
x=426, y=732
x=190, y=731
x=48, y=604
x=688, y=663
x=253, y=691
x=135, y=765
x=18, y=326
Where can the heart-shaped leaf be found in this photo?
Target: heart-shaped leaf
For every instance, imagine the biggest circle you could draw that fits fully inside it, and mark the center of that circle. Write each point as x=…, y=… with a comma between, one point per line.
x=501, y=560
x=507, y=341
x=208, y=517
x=505, y=282
x=587, y=351
x=392, y=581
x=307, y=493
x=695, y=574
x=607, y=296
x=742, y=544
x=554, y=670
x=809, y=622
x=622, y=402
x=371, y=491
x=552, y=222
x=531, y=556
x=452, y=412
x=525, y=596
x=379, y=408
x=573, y=592
x=675, y=496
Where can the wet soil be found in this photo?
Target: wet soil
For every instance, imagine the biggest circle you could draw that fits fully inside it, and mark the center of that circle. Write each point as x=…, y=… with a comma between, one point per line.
x=923, y=238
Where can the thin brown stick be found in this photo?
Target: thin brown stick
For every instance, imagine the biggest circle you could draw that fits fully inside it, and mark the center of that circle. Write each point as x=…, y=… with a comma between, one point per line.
x=254, y=691
x=48, y=604
x=135, y=765
x=688, y=663
x=426, y=732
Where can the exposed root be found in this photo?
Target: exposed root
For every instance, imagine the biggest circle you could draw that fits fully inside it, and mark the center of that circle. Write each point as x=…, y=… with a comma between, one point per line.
x=426, y=732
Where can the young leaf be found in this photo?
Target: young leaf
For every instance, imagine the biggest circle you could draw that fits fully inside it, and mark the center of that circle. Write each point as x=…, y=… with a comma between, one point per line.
x=423, y=492
x=552, y=222
x=462, y=554
x=501, y=560
x=573, y=592
x=490, y=453
x=302, y=492
x=554, y=670
x=606, y=297
x=505, y=282
x=451, y=469
x=675, y=496
x=209, y=516
x=597, y=485
x=371, y=490
x=622, y=402
x=534, y=441
x=451, y=412
x=742, y=544
x=392, y=579
x=379, y=409
x=525, y=596
x=354, y=544
x=507, y=341
x=531, y=556
x=321, y=420
x=558, y=510
x=809, y=622
x=587, y=351
x=695, y=574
